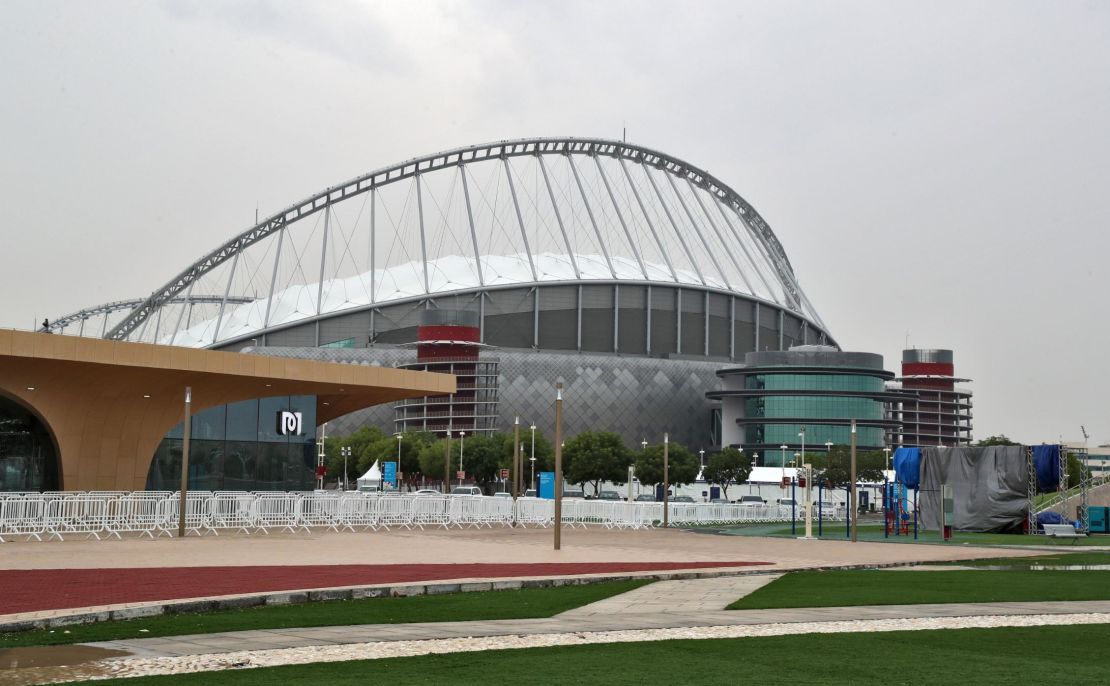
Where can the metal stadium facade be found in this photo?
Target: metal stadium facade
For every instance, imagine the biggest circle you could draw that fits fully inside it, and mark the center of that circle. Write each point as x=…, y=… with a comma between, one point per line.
x=626, y=273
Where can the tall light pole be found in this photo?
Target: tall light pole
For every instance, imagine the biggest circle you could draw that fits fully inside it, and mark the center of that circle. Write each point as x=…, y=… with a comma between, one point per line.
x=532, y=483
x=666, y=478
x=462, y=444
x=185, y=462
x=852, y=486
x=400, y=435
x=802, y=433
x=517, y=462
x=447, y=465
x=887, y=451
x=558, y=465
x=346, y=452
x=783, y=449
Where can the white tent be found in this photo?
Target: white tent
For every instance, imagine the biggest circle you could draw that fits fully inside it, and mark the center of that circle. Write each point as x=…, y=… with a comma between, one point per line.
x=372, y=479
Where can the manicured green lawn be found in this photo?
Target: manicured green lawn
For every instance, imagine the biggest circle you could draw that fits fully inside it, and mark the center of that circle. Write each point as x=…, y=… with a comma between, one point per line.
x=522, y=604
x=1094, y=557
x=877, y=587
x=1064, y=654
x=874, y=532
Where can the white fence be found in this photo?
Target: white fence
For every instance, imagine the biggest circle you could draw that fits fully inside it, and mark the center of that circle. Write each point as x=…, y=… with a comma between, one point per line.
x=45, y=516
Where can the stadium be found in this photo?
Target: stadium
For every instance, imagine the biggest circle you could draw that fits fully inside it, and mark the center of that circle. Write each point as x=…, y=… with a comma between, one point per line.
x=628, y=274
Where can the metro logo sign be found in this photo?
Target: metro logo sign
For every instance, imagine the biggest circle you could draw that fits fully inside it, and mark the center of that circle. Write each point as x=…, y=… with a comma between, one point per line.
x=289, y=423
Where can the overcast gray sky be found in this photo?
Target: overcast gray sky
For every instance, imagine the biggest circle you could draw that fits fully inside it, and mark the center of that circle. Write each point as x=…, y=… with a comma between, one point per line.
x=937, y=172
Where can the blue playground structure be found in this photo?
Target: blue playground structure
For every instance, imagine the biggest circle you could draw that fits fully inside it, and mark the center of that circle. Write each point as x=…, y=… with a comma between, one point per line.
x=897, y=505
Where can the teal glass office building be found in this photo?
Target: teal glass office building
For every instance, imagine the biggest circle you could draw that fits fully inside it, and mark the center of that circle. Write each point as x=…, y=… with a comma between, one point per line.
x=776, y=396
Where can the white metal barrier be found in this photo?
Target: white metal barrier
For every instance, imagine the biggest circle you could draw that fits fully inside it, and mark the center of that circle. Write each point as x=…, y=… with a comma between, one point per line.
x=98, y=514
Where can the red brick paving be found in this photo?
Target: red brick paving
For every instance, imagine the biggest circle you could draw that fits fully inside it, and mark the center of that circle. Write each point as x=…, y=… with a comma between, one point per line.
x=31, y=590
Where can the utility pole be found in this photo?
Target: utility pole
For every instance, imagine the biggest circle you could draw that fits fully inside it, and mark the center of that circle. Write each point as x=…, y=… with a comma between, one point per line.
x=558, y=465
x=853, y=511
x=185, y=462
x=666, y=478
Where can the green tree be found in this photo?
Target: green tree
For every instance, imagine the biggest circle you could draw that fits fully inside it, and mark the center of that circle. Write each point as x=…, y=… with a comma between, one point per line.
x=596, y=456
x=1000, y=439
x=683, y=465
x=357, y=442
x=482, y=457
x=384, y=449
x=835, y=467
x=431, y=458
x=727, y=467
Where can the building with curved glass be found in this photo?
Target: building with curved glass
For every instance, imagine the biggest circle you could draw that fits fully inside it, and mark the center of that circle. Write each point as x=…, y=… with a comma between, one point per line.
x=628, y=274
x=777, y=396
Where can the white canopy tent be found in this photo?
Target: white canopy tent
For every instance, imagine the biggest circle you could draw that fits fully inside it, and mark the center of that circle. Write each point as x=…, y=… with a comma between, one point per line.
x=372, y=479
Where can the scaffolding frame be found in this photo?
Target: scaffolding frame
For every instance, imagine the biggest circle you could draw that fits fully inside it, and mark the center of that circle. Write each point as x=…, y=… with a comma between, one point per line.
x=1062, y=492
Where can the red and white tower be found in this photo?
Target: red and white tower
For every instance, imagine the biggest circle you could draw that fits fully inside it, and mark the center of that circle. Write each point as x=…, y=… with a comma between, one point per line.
x=941, y=414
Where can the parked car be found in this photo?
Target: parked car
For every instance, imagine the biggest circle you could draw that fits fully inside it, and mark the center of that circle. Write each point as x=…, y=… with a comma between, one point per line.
x=608, y=495
x=645, y=498
x=530, y=493
x=569, y=493
x=682, y=499
x=751, y=499
x=720, y=501
x=502, y=494
x=787, y=502
x=466, y=490
x=427, y=491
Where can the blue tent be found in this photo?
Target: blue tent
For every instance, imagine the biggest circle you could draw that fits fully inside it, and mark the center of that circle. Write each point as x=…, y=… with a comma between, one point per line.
x=907, y=466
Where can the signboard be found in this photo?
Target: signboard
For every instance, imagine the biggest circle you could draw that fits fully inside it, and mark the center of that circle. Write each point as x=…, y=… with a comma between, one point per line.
x=389, y=473
x=547, y=485
x=289, y=423
x=460, y=475
x=504, y=473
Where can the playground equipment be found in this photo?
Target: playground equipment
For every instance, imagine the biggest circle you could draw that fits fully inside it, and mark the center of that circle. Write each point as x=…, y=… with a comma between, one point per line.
x=898, y=507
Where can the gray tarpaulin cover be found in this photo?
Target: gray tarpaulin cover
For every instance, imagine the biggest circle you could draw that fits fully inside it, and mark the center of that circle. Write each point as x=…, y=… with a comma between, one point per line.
x=990, y=486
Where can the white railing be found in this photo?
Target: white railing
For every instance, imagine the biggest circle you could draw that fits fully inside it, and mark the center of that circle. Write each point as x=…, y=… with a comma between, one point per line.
x=102, y=514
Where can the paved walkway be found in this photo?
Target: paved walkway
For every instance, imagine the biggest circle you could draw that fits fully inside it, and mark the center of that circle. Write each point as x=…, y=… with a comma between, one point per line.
x=686, y=596
x=270, y=639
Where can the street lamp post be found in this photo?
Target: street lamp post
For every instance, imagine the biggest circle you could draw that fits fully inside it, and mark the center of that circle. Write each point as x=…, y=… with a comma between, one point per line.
x=462, y=444
x=783, y=449
x=558, y=465
x=532, y=483
x=887, y=451
x=447, y=465
x=701, y=459
x=400, y=435
x=666, y=479
x=517, y=462
x=802, y=433
x=185, y=462
x=346, y=451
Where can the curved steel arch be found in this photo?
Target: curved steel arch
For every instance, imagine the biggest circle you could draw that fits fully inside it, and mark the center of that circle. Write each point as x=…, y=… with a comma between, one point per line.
x=120, y=305
x=459, y=157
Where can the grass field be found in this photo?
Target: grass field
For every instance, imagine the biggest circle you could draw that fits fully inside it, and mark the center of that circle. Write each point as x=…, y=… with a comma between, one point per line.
x=877, y=587
x=874, y=532
x=522, y=604
x=1093, y=557
x=963, y=656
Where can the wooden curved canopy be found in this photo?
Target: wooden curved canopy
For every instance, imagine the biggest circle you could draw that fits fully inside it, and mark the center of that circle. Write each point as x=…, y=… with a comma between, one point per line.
x=108, y=404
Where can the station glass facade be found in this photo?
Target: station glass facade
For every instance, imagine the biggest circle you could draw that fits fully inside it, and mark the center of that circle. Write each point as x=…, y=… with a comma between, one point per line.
x=242, y=447
x=28, y=461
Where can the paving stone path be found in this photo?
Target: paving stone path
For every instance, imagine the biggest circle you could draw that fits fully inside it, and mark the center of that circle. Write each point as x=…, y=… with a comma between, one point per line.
x=686, y=596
